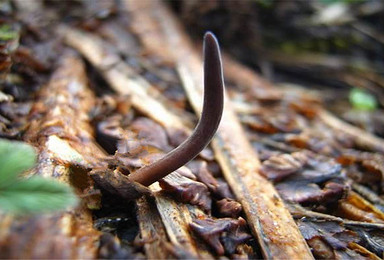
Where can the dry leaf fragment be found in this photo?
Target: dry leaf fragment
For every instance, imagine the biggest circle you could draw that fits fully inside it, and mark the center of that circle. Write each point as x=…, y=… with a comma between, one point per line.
x=187, y=190
x=223, y=235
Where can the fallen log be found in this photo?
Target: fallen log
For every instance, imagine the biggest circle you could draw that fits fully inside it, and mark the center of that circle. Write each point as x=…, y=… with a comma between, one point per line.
x=61, y=132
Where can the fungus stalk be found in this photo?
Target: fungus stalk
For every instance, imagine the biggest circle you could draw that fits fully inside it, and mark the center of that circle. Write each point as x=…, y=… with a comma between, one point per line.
x=206, y=127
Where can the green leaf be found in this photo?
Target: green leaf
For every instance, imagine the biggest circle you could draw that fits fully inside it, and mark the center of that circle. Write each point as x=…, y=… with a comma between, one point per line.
x=6, y=33
x=362, y=100
x=15, y=157
x=36, y=195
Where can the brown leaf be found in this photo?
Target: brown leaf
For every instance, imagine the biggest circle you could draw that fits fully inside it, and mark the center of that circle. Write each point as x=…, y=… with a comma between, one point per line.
x=150, y=133
x=325, y=237
x=228, y=208
x=280, y=166
x=357, y=208
x=217, y=187
x=187, y=190
x=223, y=235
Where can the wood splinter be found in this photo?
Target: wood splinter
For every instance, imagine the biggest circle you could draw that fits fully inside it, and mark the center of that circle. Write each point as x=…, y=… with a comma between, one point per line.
x=207, y=126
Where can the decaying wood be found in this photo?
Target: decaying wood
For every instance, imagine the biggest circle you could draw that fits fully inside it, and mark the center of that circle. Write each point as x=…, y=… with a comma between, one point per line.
x=316, y=60
x=60, y=118
x=299, y=212
x=242, y=75
x=363, y=138
x=61, y=132
x=357, y=208
x=152, y=230
x=369, y=195
x=124, y=81
x=267, y=216
x=364, y=251
x=176, y=218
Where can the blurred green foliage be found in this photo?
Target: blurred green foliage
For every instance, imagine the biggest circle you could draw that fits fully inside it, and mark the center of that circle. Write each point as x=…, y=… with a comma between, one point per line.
x=20, y=195
x=361, y=100
x=6, y=33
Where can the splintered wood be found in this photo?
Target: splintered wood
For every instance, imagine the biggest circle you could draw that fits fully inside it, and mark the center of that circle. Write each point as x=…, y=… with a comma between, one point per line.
x=267, y=216
x=60, y=118
x=60, y=129
x=153, y=233
x=146, y=99
x=123, y=80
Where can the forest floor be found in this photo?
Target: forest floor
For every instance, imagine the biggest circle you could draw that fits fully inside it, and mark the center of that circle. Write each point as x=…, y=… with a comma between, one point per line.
x=103, y=88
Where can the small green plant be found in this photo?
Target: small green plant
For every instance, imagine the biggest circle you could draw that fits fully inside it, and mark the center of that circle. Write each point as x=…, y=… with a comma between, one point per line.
x=362, y=100
x=20, y=195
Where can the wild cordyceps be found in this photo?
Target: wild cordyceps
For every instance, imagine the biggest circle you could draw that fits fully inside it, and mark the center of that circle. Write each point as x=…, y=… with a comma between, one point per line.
x=205, y=129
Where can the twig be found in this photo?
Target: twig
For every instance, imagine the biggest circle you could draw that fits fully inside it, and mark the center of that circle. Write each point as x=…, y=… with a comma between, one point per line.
x=368, y=194
x=299, y=212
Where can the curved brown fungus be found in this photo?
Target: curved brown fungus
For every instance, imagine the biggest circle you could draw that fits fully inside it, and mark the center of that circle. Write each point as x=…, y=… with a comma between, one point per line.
x=207, y=126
